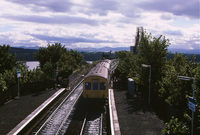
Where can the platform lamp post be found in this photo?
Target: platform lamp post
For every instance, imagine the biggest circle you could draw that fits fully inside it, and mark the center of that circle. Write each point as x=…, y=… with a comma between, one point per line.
x=185, y=78
x=144, y=65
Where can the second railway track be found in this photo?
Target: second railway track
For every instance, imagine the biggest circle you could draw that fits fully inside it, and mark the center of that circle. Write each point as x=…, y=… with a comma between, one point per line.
x=59, y=120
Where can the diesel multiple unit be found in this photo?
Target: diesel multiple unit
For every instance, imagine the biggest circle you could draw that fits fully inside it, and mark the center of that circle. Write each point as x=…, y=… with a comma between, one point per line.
x=96, y=82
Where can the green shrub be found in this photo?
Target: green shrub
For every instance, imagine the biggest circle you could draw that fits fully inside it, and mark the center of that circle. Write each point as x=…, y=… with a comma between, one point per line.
x=175, y=127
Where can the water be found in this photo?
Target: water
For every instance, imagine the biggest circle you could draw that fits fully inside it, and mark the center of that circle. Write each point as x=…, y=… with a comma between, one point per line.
x=32, y=64
x=89, y=62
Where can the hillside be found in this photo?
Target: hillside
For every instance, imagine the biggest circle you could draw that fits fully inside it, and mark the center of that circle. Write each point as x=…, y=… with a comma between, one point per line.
x=89, y=55
x=24, y=54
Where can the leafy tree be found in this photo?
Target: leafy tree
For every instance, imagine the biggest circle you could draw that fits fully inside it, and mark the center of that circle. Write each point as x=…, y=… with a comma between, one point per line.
x=10, y=77
x=173, y=90
x=48, y=57
x=7, y=60
x=36, y=75
x=152, y=51
x=3, y=86
x=175, y=127
x=66, y=65
x=68, y=62
x=176, y=92
x=127, y=63
x=77, y=56
x=197, y=93
x=56, y=54
x=165, y=86
x=50, y=54
x=48, y=70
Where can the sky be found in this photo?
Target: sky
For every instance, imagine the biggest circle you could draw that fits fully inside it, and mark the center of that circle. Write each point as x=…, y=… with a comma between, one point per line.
x=98, y=23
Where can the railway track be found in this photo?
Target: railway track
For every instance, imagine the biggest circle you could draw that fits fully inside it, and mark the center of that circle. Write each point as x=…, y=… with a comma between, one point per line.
x=59, y=120
x=90, y=118
x=92, y=124
x=68, y=119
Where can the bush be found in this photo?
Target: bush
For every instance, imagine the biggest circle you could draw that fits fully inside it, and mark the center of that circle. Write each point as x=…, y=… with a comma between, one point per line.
x=174, y=127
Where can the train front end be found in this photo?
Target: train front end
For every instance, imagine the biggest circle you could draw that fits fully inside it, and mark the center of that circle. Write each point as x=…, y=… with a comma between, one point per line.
x=95, y=87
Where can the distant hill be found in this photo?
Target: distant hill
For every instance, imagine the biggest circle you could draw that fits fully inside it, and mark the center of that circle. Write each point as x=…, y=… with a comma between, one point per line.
x=24, y=54
x=171, y=56
x=103, y=49
x=29, y=47
x=91, y=54
x=114, y=49
x=185, y=51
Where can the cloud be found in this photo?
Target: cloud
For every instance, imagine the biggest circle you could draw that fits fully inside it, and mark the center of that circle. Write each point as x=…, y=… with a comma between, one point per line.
x=58, y=19
x=52, y=5
x=167, y=16
x=190, y=8
x=174, y=33
x=102, y=7
x=68, y=39
x=97, y=22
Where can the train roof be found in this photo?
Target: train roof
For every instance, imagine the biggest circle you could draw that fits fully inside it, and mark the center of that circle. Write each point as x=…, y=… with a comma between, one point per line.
x=101, y=69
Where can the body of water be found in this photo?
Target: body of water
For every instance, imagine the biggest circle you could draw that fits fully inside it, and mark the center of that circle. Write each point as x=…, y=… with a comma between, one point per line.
x=90, y=62
x=32, y=64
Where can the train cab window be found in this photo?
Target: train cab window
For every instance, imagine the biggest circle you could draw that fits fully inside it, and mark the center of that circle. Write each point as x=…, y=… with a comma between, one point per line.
x=87, y=86
x=102, y=86
x=95, y=86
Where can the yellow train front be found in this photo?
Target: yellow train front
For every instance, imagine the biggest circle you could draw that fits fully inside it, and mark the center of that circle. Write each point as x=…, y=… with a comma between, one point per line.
x=96, y=82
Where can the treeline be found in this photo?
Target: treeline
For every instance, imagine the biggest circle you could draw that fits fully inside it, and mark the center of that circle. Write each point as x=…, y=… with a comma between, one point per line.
x=94, y=56
x=189, y=56
x=22, y=54
x=169, y=95
x=55, y=61
x=29, y=55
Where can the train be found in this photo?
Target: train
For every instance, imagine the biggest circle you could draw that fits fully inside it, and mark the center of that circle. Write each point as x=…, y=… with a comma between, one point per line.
x=96, y=82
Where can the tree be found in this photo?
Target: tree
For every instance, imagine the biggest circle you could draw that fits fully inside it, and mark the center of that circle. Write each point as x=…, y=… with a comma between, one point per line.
x=50, y=54
x=78, y=57
x=57, y=55
x=172, y=90
x=176, y=92
x=68, y=62
x=126, y=63
x=66, y=65
x=175, y=127
x=7, y=60
x=152, y=51
x=3, y=86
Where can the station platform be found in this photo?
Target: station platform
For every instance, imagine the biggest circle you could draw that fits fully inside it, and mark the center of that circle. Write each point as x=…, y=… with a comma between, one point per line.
x=135, y=116
x=114, y=123
x=16, y=110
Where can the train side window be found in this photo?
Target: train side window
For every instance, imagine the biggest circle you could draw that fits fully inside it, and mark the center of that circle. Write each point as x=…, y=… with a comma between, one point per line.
x=95, y=86
x=87, y=86
x=102, y=86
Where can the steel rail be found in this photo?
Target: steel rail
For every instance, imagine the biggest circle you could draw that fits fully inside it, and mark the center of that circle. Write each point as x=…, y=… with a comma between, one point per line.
x=65, y=119
x=86, y=129
x=56, y=110
x=101, y=124
x=84, y=123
